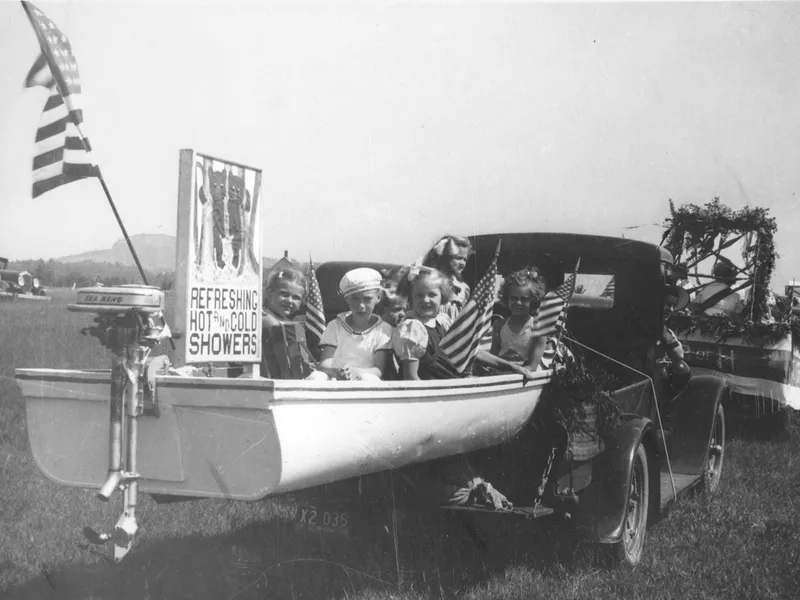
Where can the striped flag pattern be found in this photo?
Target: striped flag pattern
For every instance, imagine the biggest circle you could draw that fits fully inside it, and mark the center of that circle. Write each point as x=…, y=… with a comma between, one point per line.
x=550, y=321
x=61, y=151
x=315, y=315
x=609, y=291
x=553, y=309
x=461, y=342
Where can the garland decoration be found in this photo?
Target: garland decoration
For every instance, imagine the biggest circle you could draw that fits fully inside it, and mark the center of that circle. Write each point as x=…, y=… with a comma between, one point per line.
x=694, y=233
x=722, y=328
x=694, y=230
x=573, y=389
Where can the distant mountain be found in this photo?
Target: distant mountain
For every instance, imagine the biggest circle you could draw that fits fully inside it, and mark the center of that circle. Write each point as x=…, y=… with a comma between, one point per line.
x=156, y=252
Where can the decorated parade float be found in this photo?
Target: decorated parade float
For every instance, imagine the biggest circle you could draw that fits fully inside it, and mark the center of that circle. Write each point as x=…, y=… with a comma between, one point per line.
x=596, y=451
x=736, y=327
x=603, y=437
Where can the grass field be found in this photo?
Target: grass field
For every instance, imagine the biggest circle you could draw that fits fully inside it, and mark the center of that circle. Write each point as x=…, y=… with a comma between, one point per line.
x=742, y=543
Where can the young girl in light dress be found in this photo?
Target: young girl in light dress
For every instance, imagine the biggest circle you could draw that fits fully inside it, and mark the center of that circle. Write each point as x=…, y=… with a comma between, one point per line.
x=285, y=352
x=512, y=338
x=356, y=345
x=449, y=256
x=416, y=340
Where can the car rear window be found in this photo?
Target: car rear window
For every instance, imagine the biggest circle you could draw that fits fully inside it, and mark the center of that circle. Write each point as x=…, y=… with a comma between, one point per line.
x=593, y=290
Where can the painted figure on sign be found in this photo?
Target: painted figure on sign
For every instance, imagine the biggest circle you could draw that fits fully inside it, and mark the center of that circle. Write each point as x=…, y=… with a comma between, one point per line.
x=214, y=192
x=202, y=238
x=238, y=207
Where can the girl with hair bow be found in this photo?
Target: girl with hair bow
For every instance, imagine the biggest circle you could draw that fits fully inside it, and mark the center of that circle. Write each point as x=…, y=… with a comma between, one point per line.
x=449, y=255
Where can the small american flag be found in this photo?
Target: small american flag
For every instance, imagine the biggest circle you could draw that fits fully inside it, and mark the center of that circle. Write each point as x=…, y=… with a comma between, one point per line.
x=609, y=291
x=461, y=342
x=553, y=309
x=62, y=152
x=315, y=315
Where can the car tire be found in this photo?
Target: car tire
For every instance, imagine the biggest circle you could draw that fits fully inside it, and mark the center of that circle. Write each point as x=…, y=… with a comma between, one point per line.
x=715, y=454
x=629, y=549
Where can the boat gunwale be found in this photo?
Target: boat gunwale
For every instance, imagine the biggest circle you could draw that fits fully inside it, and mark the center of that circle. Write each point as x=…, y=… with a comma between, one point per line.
x=288, y=389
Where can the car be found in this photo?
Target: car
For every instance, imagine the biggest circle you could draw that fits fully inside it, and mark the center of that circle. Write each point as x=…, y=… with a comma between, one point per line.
x=196, y=435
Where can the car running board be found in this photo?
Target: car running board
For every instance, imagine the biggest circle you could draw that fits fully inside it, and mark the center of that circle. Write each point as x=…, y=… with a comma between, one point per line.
x=683, y=483
x=527, y=512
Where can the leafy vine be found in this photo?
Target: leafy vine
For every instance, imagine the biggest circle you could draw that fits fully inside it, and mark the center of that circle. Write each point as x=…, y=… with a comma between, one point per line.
x=572, y=390
x=697, y=232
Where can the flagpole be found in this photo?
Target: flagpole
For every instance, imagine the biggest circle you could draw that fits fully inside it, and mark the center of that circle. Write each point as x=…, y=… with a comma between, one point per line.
x=87, y=149
x=116, y=215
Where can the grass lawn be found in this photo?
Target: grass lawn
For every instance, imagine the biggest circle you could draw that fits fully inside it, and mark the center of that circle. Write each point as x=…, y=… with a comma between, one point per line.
x=742, y=543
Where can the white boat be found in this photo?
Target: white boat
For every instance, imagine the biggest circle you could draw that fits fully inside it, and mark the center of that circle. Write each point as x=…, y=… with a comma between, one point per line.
x=250, y=438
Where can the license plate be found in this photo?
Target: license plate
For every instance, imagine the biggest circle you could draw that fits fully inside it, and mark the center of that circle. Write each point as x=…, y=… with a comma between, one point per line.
x=322, y=518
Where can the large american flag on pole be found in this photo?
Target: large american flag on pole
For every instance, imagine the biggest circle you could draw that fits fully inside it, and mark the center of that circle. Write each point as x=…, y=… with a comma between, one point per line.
x=315, y=315
x=553, y=309
x=62, y=153
x=460, y=343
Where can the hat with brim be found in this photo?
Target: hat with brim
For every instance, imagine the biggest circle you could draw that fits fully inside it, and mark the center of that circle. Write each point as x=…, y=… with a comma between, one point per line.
x=359, y=280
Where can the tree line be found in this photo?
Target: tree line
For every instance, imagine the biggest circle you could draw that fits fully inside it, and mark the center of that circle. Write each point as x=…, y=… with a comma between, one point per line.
x=52, y=273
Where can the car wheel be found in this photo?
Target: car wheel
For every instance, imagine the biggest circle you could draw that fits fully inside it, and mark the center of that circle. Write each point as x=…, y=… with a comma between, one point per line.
x=712, y=470
x=628, y=550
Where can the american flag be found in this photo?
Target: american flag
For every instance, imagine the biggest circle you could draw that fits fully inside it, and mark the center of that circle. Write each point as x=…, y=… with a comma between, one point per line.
x=609, y=291
x=61, y=152
x=553, y=309
x=315, y=315
x=461, y=342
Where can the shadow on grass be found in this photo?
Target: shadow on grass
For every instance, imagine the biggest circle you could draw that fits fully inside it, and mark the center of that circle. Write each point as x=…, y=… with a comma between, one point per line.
x=779, y=426
x=435, y=553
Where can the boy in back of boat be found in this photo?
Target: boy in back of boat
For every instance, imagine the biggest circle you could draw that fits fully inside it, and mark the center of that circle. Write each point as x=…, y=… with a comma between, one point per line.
x=356, y=345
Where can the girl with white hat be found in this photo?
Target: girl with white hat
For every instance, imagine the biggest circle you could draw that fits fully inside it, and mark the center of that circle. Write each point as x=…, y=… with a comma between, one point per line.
x=356, y=345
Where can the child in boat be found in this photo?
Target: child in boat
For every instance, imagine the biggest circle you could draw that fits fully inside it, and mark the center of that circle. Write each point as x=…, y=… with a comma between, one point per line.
x=513, y=342
x=356, y=345
x=284, y=353
x=392, y=309
x=416, y=339
x=449, y=256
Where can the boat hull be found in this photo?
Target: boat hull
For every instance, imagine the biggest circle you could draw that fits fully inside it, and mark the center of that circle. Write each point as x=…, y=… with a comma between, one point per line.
x=251, y=438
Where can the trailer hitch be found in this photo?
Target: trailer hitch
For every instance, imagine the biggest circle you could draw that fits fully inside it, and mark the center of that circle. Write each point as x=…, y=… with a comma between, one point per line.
x=129, y=323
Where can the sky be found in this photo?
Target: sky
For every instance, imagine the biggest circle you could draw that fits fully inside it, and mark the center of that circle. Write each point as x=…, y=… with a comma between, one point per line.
x=381, y=126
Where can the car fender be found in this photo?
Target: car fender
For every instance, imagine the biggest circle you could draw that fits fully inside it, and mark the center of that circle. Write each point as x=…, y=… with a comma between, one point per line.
x=693, y=411
x=603, y=504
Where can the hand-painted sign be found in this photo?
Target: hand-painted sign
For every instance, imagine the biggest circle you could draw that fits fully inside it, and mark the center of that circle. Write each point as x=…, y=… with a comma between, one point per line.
x=218, y=275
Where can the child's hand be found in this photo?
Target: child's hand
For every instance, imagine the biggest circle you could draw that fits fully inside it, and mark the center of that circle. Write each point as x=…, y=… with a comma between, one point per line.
x=526, y=373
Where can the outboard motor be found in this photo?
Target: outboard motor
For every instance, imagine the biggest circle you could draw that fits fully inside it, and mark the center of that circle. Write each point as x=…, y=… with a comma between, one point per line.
x=130, y=323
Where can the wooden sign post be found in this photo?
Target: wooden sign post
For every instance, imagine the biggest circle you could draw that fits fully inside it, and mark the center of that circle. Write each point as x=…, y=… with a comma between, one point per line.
x=218, y=266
